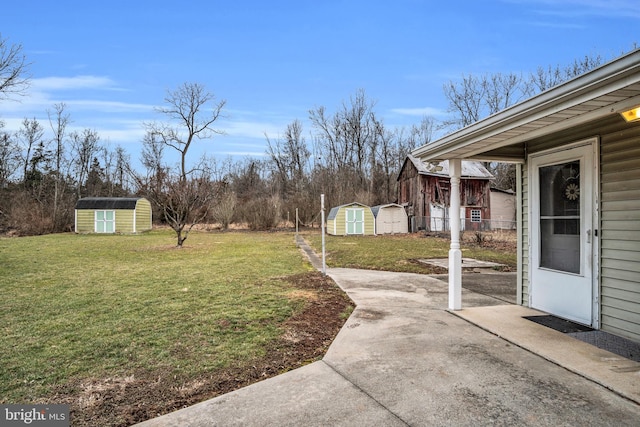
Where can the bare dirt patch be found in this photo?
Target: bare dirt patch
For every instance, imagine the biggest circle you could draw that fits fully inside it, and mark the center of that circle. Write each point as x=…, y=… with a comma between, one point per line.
x=138, y=396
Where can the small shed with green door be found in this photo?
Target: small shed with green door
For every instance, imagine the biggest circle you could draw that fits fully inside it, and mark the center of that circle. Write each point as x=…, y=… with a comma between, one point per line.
x=112, y=215
x=351, y=219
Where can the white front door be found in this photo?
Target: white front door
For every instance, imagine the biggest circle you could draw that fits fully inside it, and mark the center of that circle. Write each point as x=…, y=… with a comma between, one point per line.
x=563, y=239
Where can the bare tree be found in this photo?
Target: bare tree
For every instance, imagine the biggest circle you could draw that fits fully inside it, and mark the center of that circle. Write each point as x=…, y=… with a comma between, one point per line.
x=123, y=164
x=474, y=97
x=465, y=100
x=30, y=136
x=84, y=147
x=503, y=90
x=185, y=203
x=290, y=157
x=13, y=69
x=346, y=143
x=58, y=121
x=546, y=78
x=224, y=209
x=186, y=108
x=184, y=199
x=9, y=156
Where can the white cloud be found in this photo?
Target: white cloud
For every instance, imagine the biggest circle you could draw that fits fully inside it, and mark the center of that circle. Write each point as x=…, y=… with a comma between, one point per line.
x=110, y=106
x=71, y=83
x=250, y=129
x=419, y=112
x=573, y=8
x=245, y=153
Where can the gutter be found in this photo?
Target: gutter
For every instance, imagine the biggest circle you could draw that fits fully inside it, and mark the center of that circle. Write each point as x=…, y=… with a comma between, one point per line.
x=614, y=75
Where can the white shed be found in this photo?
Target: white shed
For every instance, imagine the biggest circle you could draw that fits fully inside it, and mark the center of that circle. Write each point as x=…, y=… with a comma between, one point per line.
x=390, y=219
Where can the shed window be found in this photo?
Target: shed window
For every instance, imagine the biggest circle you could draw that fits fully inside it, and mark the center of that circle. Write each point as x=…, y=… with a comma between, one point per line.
x=476, y=215
x=105, y=221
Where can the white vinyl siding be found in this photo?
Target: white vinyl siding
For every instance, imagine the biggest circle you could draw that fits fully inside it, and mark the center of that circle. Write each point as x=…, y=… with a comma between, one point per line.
x=620, y=233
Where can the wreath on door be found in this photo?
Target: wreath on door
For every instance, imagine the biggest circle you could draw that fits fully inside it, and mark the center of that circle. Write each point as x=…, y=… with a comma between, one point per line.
x=572, y=191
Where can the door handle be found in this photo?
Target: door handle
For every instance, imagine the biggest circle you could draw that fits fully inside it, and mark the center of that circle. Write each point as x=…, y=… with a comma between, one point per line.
x=589, y=236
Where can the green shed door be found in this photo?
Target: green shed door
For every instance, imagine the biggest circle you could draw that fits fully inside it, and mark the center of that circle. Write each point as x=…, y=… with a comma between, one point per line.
x=355, y=220
x=105, y=221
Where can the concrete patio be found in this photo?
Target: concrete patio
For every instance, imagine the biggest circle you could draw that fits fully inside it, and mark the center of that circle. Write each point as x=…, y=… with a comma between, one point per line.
x=403, y=359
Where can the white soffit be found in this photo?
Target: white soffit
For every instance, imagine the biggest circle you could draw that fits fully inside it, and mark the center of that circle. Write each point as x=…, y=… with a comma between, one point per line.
x=603, y=91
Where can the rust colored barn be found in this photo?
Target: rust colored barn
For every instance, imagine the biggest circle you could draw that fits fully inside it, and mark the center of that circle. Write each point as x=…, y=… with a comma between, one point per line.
x=423, y=189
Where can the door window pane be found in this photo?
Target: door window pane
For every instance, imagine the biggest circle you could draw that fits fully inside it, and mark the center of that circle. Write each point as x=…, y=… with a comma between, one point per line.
x=560, y=217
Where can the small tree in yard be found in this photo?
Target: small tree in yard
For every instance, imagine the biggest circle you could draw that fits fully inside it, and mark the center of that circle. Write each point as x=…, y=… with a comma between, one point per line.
x=184, y=198
x=185, y=203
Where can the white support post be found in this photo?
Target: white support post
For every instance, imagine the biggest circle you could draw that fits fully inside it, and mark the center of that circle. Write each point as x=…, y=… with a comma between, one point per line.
x=455, y=254
x=324, y=262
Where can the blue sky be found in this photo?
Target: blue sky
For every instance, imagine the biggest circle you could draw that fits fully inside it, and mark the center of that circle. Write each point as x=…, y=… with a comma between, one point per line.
x=112, y=62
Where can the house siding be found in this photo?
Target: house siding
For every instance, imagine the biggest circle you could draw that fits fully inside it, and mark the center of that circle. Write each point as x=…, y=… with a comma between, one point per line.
x=619, y=203
x=620, y=232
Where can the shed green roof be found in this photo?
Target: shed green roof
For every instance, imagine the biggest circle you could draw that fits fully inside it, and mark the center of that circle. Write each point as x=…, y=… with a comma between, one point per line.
x=107, y=203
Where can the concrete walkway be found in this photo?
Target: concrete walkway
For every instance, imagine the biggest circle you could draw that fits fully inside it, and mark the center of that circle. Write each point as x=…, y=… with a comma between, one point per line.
x=403, y=359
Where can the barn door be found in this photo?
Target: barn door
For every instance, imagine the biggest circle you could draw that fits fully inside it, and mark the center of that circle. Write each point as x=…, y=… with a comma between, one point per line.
x=355, y=220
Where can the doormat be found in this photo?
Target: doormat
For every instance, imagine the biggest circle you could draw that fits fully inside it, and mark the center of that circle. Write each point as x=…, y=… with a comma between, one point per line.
x=613, y=343
x=558, y=324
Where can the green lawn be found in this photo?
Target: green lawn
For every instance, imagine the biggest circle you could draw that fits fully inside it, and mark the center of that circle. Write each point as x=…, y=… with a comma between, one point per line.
x=94, y=306
x=399, y=252
x=85, y=313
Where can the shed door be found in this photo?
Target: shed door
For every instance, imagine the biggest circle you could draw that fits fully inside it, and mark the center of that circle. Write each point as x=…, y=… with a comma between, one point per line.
x=355, y=220
x=562, y=236
x=105, y=221
x=394, y=220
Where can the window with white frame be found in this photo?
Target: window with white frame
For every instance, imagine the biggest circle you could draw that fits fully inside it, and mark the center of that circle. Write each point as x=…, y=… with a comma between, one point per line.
x=476, y=215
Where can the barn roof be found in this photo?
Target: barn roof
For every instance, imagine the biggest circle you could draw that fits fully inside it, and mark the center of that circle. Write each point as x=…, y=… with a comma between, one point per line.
x=107, y=203
x=334, y=211
x=470, y=169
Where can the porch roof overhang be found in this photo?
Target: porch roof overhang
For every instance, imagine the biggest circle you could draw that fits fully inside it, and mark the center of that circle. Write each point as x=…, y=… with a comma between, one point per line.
x=604, y=91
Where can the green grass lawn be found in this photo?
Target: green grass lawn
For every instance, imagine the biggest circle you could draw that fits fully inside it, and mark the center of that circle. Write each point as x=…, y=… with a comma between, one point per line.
x=82, y=315
x=399, y=252
x=95, y=306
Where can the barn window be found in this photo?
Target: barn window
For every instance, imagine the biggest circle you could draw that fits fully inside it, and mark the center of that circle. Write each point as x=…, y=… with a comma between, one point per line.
x=476, y=215
x=105, y=221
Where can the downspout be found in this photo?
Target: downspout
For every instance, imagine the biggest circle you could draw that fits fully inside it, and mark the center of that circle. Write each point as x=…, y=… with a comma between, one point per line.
x=455, y=254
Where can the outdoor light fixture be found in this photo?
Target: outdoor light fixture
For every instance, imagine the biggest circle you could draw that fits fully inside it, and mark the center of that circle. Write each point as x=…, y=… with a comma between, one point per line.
x=631, y=115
